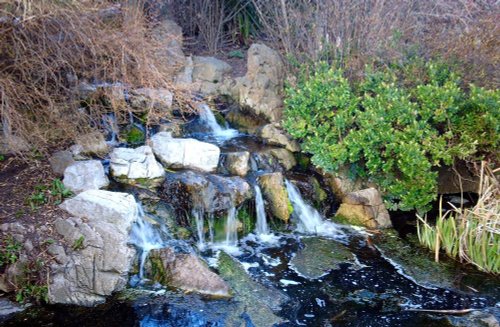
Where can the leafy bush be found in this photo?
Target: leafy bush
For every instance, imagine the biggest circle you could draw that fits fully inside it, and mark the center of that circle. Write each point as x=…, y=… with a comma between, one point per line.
x=394, y=128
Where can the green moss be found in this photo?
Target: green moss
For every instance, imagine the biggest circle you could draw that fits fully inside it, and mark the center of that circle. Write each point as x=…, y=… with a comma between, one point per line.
x=134, y=135
x=303, y=160
x=247, y=220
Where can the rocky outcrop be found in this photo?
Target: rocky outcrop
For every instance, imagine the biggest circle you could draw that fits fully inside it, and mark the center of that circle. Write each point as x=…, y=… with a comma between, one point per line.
x=145, y=98
x=169, y=35
x=185, y=153
x=98, y=258
x=261, y=88
x=61, y=160
x=209, y=73
x=272, y=134
x=136, y=167
x=237, y=163
x=210, y=193
x=274, y=191
x=364, y=208
x=85, y=175
x=185, y=271
x=452, y=180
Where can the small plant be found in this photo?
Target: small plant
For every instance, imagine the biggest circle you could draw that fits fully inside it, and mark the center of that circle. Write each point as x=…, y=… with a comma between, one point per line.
x=236, y=54
x=32, y=286
x=9, y=251
x=59, y=192
x=44, y=195
x=78, y=243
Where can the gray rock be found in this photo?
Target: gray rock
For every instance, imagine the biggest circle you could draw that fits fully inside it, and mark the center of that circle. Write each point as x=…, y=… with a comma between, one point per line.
x=236, y=163
x=274, y=191
x=185, y=153
x=92, y=144
x=144, y=98
x=275, y=136
x=136, y=166
x=187, y=272
x=261, y=88
x=210, y=193
x=85, y=175
x=365, y=208
x=61, y=160
x=7, y=308
x=100, y=258
x=209, y=72
x=169, y=35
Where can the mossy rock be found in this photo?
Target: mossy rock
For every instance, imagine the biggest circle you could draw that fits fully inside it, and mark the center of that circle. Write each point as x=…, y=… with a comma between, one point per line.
x=258, y=301
x=319, y=255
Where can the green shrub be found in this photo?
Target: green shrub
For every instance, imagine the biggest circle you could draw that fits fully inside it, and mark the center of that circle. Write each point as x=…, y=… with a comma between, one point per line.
x=394, y=127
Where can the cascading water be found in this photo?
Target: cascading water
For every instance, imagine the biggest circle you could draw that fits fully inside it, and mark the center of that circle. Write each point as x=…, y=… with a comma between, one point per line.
x=110, y=125
x=231, y=228
x=145, y=237
x=261, y=225
x=198, y=216
x=208, y=118
x=309, y=219
x=230, y=242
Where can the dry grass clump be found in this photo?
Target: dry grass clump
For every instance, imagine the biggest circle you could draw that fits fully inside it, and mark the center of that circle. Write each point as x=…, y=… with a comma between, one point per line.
x=47, y=48
x=471, y=235
x=356, y=32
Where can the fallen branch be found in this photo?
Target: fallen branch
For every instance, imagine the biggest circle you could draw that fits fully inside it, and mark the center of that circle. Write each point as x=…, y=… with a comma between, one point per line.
x=447, y=312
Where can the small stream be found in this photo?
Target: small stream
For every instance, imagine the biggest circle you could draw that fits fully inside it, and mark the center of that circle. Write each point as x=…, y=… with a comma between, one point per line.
x=317, y=273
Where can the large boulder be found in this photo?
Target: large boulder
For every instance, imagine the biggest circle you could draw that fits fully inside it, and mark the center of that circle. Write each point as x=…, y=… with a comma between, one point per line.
x=185, y=153
x=276, y=136
x=136, y=167
x=211, y=193
x=366, y=208
x=260, y=90
x=97, y=260
x=85, y=175
x=274, y=191
x=209, y=73
x=185, y=271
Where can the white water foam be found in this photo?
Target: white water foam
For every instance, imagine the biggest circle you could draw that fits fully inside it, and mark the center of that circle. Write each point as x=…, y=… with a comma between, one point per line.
x=309, y=221
x=208, y=118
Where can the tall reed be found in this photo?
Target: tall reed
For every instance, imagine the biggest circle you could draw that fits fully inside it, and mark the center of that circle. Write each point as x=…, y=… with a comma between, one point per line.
x=471, y=235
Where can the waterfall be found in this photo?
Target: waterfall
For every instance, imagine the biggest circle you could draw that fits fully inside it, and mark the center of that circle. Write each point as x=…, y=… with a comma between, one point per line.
x=261, y=227
x=111, y=126
x=231, y=228
x=198, y=216
x=145, y=237
x=309, y=219
x=208, y=118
